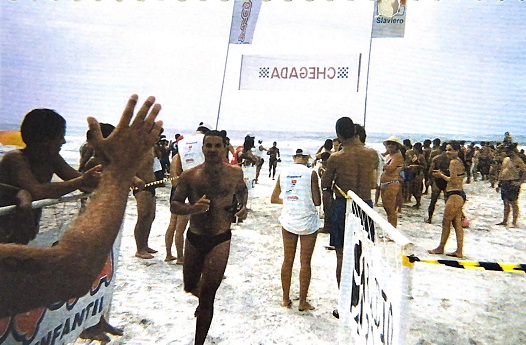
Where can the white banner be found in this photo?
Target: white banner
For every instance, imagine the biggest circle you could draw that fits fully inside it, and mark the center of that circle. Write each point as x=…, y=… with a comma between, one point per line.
x=389, y=18
x=369, y=303
x=300, y=73
x=244, y=17
x=63, y=321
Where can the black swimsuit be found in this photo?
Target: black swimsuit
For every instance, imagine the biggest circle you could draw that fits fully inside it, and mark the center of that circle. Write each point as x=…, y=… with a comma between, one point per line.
x=204, y=244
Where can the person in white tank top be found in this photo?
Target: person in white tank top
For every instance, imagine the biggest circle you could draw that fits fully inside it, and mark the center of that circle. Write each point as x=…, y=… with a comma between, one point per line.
x=189, y=155
x=297, y=188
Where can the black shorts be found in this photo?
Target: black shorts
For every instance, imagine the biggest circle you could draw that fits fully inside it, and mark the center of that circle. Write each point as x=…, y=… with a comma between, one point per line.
x=509, y=191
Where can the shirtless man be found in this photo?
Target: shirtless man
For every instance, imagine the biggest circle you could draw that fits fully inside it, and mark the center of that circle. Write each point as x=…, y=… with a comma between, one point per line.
x=190, y=155
x=18, y=227
x=351, y=168
x=34, y=277
x=33, y=167
x=511, y=176
x=273, y=160
x=145, y=208
x=211, y=188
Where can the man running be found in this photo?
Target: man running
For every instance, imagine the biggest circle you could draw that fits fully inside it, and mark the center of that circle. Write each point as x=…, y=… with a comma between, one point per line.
x=215, y=190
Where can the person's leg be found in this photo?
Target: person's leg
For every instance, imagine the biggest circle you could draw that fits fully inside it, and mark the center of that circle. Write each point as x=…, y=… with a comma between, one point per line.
x=506, y=215
x=180, y=227
x=452, y=210
x=459, y=232
x=307, y=243
x=145, y=216
x=435, y=193
x=389, y=201
x=192, y=268
x=290, y=242
x=417, y=190
x=213, y=271
x=515, y=208
x=169, y=238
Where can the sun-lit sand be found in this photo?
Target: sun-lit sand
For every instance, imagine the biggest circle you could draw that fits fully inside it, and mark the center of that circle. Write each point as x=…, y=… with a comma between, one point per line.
x=450, y=306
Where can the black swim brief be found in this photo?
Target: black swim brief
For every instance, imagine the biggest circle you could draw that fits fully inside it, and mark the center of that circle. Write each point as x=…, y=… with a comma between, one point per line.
x=204, y=244
x=456, y=192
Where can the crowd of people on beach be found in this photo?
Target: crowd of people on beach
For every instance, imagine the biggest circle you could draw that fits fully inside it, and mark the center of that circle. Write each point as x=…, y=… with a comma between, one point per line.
x=210, y=192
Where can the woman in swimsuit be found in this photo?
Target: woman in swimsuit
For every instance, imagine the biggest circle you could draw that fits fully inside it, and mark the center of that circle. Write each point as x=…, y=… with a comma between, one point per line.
x=390, y=180
x=455, y=198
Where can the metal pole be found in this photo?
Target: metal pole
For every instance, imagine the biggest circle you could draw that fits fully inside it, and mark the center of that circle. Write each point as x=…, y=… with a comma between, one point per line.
x=368, y=65
x=224, y=71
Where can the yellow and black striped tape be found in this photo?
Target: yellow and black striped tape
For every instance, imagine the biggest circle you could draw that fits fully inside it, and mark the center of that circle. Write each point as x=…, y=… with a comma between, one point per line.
x=474, y=265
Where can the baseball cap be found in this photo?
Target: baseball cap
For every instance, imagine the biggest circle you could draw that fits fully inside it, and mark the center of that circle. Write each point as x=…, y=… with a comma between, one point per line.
x=204, y=125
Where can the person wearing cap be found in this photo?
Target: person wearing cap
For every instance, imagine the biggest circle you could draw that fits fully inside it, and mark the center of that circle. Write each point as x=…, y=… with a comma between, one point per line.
x=390, y=180
x=298, y=190
x=351, y=168
x=210, y=188
x=189, y=155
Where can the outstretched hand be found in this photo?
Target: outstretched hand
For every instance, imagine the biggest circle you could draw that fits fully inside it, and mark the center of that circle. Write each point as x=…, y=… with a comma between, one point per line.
x=128, y=145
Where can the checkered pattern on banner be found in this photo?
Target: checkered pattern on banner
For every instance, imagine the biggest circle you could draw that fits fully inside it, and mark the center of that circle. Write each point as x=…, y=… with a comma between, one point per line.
x=264, y=72
x=343, y=72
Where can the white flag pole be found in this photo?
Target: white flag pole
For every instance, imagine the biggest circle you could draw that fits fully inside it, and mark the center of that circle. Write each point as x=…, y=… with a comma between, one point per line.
x=224, y=74
x=368, y=66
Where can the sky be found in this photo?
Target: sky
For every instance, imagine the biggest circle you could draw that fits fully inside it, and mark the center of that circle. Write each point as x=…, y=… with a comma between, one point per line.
x=459, y=69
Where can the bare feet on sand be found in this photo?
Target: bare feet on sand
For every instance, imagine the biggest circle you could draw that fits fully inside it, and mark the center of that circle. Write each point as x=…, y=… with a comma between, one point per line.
x=455, y=254
x=286, y=303
x=150, y=250
x=437, y=250
x=305, y=306
x=143, y=255
x=169, y=258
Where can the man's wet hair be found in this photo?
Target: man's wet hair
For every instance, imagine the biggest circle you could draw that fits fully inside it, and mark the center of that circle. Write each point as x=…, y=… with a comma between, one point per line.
x=345, y=127
x=105, y=128
x=328, y=145
x=216, y=133
x=454, y=144
x=40, y=125
x=359, y=130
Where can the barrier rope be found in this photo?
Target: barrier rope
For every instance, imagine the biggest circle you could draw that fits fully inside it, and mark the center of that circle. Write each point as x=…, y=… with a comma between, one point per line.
x=158, y=182
x=473, y=265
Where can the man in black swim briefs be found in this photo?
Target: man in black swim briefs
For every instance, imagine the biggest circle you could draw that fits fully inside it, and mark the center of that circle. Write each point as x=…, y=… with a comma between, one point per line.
x=210, y=188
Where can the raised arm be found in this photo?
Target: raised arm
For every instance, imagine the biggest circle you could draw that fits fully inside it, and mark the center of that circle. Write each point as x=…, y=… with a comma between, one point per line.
x=33, y=277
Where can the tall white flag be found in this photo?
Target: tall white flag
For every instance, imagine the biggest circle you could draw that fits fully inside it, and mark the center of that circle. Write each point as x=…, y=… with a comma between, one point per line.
x=319, y=72
x=389, y=18
x=244, y=18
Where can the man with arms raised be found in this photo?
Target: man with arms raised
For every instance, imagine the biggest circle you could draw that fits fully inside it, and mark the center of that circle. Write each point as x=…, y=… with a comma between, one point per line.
x=210, y=188
x=34, y=277
x=351, y=168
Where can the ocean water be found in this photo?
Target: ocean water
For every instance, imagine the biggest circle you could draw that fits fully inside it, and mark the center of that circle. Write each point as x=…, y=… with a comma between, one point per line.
x=287, y=141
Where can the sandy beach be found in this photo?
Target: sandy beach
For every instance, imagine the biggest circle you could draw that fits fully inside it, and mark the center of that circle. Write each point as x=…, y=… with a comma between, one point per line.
x=449, y=306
